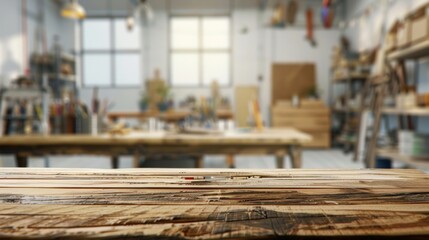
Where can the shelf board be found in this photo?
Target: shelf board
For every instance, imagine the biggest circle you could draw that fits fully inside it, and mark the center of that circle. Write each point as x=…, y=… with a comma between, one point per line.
x=68, y=78
x=416, y=51
x=353, y=77
x=346, y=110
x=411, y=112
x=393, y=153
x=22, y=93
x=343, y=140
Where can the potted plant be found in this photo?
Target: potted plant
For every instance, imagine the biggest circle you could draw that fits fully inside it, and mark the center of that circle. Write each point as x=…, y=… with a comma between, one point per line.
x=313, y=93
x=166, y=101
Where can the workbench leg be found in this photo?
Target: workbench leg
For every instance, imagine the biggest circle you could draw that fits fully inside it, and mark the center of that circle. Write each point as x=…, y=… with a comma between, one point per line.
x=136, y=160
x=295, y=156
x=280, y=159
x=199, y=162
x=230, y=161
x=21, y=161
x=115, y=162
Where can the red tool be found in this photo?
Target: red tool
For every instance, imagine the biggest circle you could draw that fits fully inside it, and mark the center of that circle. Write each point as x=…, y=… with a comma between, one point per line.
x=310, y=27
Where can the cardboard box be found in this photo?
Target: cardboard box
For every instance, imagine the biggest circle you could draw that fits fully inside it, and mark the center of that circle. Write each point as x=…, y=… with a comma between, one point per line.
x=419, y=25
x=403, y=35
x=391, y=37
x=420, y=30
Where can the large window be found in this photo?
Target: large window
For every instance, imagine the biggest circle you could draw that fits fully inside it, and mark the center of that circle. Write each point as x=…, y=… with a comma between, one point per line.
x=200, y=51
x=110, y=53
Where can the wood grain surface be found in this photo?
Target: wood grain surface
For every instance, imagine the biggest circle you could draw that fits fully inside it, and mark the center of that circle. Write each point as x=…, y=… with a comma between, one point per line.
x=213, y=204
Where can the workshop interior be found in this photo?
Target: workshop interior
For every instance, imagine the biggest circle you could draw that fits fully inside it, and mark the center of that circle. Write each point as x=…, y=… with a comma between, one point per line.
x=214, y=119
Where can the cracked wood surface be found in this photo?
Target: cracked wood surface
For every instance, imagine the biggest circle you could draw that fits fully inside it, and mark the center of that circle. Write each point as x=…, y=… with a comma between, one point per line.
x=213, y=204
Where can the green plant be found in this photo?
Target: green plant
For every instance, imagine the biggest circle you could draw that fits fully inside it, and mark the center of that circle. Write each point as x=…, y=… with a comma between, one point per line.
x=313, y=92
x=144, y=99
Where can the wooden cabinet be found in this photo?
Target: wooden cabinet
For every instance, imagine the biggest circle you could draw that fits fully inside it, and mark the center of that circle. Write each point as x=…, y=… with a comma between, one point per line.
x=312, y=117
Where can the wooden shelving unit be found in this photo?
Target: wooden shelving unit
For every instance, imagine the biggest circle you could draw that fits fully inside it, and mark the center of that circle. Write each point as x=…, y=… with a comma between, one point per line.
x=393, y=153
x=415, y=52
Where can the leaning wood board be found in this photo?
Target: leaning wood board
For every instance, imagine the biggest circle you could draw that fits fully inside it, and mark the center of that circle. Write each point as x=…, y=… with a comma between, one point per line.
x=213, y=204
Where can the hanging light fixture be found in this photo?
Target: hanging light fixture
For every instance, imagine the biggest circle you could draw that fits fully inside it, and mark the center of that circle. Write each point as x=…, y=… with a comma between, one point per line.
x=140, y=8
x=73, y=10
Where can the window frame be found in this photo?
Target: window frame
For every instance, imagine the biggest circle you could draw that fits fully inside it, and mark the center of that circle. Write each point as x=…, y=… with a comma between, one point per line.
x=200, y=51
x=112, y=52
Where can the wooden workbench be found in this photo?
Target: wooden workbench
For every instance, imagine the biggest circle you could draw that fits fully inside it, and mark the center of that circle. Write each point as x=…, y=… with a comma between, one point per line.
x=279, y=142
x=213, y=204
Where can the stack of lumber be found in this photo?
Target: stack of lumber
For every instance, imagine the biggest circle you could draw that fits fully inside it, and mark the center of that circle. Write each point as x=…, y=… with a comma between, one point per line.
x=213, y=204
x=311, y=117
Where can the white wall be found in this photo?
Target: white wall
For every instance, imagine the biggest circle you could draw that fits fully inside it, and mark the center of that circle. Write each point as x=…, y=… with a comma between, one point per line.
x=11, y=60
x=253, y=52
x=40, y=13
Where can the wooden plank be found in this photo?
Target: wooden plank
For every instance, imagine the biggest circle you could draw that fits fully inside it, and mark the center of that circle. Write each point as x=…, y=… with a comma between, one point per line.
x=214, y=179
x=278, y=197
x=393, y=153
x=243, y=96
x=366, y=204
x=411, y=112
x=414, y=52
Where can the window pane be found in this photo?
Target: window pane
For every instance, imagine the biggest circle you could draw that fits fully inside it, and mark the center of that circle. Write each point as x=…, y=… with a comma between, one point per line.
x=96, y=34
x=216, y=33
x=125, y=39
x=184, y=69
x=216, y=66
x=184, y=33
x=97, y=69
x=127, y=69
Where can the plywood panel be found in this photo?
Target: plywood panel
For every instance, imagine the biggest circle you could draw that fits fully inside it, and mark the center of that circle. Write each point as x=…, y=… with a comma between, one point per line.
x=290, y=79
x=244, y=95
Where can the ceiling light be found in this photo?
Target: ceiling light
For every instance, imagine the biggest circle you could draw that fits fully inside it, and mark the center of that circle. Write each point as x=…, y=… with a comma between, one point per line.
x=73, y=10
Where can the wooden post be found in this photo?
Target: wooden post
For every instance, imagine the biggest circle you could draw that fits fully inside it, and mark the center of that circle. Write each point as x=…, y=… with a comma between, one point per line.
x=199, y=162
x=372, y=148
x=21, y=161
x=230, y=161
x=295, y=156
x=115, y=162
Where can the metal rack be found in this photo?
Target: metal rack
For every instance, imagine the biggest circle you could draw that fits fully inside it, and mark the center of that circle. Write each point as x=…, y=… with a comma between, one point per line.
x=354, y=82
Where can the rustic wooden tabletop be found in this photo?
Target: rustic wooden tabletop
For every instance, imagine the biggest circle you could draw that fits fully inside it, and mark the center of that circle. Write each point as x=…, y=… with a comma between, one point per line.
x=212, y=204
